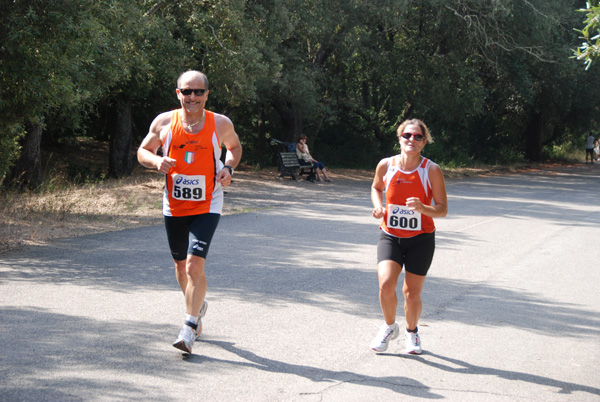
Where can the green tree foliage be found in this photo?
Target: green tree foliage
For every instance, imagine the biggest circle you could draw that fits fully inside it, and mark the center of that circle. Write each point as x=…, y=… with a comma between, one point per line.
x=521, y=49
x=589, y=50
x=57, y=57
x=178, y=36
x=492, y=78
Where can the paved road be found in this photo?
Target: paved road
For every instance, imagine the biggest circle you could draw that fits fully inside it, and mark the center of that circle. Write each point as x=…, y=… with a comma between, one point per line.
x=511, y=305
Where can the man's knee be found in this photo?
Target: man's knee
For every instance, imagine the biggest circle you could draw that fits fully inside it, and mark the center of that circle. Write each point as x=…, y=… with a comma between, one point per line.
x=195, y=267
x=180, y=266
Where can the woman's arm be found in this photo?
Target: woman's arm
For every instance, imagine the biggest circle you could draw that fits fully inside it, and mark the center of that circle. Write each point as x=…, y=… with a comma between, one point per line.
x=377, y=189
x=440, y=199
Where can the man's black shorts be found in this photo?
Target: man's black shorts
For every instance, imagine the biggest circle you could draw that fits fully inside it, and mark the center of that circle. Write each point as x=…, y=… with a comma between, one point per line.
x=190, y=234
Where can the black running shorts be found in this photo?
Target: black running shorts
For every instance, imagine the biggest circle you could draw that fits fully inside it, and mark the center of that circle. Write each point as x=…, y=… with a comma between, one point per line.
x=190, y=234
x=413, y=253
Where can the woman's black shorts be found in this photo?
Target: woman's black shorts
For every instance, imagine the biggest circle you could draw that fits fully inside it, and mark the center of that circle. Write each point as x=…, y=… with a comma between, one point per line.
x=190, y=234
x=414, y=253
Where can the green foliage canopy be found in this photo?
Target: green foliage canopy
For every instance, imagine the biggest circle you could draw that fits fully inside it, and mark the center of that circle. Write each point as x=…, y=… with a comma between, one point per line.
x=589, y=50
x=492, y=79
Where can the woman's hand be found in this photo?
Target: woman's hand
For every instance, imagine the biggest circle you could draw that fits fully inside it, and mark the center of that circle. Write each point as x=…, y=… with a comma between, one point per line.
x=414, y=204
x=378, y=212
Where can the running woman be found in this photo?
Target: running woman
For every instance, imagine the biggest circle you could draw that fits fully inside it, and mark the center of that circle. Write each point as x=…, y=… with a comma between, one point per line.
x=407, y=239
x=191, y=139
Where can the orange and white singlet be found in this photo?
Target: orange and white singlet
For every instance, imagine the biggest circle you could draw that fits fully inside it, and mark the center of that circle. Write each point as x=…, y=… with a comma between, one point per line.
x=399, y=221
x=191, y=187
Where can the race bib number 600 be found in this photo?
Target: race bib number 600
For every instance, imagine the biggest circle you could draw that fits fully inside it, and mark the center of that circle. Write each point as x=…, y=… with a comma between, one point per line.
x=189, y=188
x=400, y=217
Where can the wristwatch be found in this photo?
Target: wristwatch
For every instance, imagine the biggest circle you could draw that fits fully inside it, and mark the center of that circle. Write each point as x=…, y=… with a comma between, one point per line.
x=230, y=169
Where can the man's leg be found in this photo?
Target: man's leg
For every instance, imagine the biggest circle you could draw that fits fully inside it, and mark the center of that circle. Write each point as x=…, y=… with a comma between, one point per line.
x=195, y=289
x=192, y=279
x=180, y=274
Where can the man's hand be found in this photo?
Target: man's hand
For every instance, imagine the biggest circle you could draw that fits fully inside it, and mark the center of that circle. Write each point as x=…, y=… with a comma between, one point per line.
x=164, y=164
x=224, y=177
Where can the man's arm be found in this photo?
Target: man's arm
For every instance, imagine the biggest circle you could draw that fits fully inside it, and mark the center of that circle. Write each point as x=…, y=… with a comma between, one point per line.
x=230, y=139
x=147, y=152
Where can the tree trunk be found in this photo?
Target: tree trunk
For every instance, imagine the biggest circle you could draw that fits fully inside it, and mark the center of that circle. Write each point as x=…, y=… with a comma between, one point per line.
x=263, y=156
x=535, y=131
x=120, y=163
x=27, y=171
x=291, y=119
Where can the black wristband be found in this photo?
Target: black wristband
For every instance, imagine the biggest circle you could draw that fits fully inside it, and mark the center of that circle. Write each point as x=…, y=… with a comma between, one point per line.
x=230, y=169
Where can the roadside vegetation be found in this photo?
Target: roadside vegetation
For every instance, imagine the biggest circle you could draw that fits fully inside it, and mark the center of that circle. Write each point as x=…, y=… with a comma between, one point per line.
x=79, y=201
x=500, y=84
x=497, y=82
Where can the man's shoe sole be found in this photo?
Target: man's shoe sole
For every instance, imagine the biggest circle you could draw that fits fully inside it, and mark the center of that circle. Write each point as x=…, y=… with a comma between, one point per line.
x=181, y=346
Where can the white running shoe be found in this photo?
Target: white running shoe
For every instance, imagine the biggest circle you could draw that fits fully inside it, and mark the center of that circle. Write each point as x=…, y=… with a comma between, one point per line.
x=413, y=343
x=387, y=333
x=202, y=314
x=185, y=340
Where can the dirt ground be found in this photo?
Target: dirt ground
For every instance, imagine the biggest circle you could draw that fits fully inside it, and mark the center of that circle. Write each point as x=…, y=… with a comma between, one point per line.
x=136, y=201
x=37, y=218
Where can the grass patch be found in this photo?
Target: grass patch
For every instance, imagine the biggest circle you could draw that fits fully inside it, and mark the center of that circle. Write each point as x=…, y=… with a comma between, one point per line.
x=55, y=211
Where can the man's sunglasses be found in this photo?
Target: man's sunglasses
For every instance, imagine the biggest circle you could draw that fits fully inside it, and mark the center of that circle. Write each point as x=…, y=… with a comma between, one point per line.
x=197, y=92
x=416, y=137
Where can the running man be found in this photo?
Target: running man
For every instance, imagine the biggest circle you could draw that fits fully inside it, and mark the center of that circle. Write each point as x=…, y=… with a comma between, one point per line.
x=191, y=139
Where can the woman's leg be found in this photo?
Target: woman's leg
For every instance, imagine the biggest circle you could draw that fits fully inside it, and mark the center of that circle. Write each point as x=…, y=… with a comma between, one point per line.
x=413, y=285
x=317, y=177
x=320, y=166
x=388, y=272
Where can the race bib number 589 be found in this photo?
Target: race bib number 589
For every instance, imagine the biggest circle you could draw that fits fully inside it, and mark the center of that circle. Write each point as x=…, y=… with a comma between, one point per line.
x=189, y=188
x=400, y=217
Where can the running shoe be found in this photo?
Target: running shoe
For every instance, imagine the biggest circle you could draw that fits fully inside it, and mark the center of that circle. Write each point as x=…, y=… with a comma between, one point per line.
x=202, y=314
x=185, y=340
x=386, y=334
x=413, y=343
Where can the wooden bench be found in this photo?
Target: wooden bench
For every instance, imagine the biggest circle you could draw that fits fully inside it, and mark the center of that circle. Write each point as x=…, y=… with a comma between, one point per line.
x=289, y=165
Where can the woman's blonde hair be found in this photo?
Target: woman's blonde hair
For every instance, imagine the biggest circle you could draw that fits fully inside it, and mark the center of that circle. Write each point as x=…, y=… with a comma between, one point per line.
x=415, y=122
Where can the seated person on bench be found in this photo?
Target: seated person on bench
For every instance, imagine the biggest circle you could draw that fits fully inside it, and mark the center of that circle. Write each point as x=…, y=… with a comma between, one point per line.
x=306, y=159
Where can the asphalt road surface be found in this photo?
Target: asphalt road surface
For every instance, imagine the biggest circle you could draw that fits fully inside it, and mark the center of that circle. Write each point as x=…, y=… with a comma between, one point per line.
x=511, y=305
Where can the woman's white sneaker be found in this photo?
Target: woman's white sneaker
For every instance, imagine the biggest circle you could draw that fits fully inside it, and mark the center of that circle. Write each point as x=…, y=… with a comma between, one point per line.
x=413, y=343
x=387, y=333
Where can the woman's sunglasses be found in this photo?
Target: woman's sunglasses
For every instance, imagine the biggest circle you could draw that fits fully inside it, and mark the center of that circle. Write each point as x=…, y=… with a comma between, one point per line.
x=416, y=137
